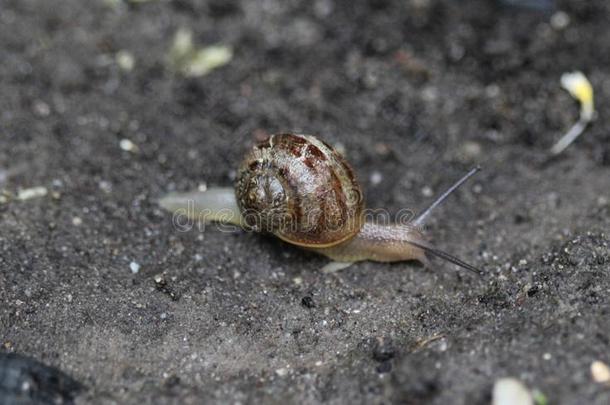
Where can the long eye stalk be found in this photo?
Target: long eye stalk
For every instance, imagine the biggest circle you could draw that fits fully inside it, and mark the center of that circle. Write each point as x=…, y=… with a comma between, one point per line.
x=421, y=218
x=445, y=256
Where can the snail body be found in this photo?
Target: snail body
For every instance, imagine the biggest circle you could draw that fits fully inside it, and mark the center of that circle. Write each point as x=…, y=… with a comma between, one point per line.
x=300, y=189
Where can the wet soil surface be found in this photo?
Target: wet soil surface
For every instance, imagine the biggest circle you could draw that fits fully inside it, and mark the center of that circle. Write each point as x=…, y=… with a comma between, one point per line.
x=96, y=281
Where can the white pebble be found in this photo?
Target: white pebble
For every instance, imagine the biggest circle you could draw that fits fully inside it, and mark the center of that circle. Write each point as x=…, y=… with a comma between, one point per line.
x=128, y=146
x=376, y=178
x=281, y=372
x=547, y=356
x=41, y=108
x=33, y=192
x=600, y=372
x=105, y=186
x=77, y=221
x=560, y=20
x=125, y=60
x=427, y=191
x=135, y=267
x=510, y=391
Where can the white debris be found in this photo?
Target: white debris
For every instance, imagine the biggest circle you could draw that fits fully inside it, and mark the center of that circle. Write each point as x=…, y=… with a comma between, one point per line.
x=427, y=191
x=510, y=391
x=41, y=108
x=196, y=62
x=281, y=372
x=125, y=60
x=577, y=84
x=128, y=146
x=376, y=178
x=560, y=20
x=29, y=193
x=77, y=221
x=600, y=372
x=135, y=267
x=207, y=59
x=105, y=186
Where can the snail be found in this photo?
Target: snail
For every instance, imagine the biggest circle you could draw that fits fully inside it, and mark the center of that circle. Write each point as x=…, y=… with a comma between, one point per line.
x=300, y=189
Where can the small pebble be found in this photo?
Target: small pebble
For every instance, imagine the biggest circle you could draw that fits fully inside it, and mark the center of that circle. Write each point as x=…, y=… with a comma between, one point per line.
x=510, y=391
x=128, y=146
x=547, y=356
x=77, y=221
x=493, y=90
x=30, y=193
x=308, y=302
x=105, y=186
x=470, y=150
x=281, y=372
x=600, y=372
x=376, y=178
x=560, y=20
x=427, y=191
x=41, y=108
x=125, y=60
x=135, y=267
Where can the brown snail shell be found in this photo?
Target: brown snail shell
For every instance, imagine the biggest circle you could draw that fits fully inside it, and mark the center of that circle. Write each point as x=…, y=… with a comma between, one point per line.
x=300, y=189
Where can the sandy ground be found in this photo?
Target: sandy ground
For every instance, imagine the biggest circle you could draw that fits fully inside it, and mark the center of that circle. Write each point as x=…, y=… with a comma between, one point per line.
x=415, y=92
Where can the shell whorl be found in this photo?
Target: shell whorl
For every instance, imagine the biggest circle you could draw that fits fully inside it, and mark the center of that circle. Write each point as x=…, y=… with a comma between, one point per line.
x=300, y=189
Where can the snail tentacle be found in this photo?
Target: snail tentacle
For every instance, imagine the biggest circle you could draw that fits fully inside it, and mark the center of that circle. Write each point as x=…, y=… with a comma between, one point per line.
x=423, y=216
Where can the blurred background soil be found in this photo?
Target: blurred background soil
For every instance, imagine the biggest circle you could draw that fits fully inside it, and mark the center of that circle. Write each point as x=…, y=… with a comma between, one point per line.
x=95, y=280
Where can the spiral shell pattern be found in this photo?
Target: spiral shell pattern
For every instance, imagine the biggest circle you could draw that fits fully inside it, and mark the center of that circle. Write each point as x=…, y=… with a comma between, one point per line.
x=300, y=189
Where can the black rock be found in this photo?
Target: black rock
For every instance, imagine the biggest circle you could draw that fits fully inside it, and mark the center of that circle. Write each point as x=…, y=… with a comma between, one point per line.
x=24, y=380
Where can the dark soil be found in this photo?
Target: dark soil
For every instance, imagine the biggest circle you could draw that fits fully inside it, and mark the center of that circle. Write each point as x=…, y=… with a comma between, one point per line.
x=416, y=92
